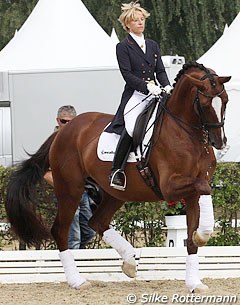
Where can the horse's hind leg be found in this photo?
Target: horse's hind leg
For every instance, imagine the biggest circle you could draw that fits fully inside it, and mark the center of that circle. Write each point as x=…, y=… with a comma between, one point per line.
x=197, y=222
x=68, y=196
x=100, y=222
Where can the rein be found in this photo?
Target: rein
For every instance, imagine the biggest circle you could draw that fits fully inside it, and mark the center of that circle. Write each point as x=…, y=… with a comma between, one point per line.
x=204, y=125
x=177, y=118
x=181, y=124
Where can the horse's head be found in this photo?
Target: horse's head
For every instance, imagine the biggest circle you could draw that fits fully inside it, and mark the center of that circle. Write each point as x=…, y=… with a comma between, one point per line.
x=209, y=99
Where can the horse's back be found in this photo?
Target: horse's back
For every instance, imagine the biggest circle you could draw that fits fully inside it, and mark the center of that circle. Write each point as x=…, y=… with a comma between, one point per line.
x=80, y=135
x=93, y=117
x=90, y=125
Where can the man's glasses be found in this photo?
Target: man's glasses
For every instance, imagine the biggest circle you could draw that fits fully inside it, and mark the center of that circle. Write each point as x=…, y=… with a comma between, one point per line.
x=64, y=121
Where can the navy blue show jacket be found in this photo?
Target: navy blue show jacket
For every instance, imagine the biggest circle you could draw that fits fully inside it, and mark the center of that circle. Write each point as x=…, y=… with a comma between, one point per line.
x=137, y=68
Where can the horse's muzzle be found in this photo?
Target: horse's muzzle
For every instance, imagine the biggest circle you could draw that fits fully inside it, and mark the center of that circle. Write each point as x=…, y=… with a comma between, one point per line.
x=218, y=143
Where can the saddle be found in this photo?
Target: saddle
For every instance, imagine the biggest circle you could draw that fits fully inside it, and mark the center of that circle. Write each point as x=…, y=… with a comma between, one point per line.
x=141, y=124
x=140, y=129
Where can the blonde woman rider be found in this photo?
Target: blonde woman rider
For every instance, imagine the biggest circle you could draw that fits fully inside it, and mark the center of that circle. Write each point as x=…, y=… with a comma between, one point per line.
x=142, y=68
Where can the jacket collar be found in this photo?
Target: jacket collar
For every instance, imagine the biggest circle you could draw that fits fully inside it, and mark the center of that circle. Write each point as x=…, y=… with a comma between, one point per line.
x=133, y=45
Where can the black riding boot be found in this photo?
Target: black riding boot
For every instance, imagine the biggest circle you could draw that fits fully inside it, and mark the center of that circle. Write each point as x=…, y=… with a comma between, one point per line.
x=118, y=177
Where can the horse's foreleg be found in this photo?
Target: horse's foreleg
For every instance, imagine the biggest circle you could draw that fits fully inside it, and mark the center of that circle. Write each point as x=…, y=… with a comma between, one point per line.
x=100, y=223
x=180, y=186
x=199, y=238
x=192, y=278
x=206, y=221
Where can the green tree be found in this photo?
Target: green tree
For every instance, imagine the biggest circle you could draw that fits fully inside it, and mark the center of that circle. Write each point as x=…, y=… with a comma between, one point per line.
x=184, y=27
x=226, y=199
x=13, y=14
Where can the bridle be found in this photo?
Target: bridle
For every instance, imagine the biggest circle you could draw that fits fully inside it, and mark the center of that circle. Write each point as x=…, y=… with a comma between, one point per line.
x=204, y=124
x=200, y=110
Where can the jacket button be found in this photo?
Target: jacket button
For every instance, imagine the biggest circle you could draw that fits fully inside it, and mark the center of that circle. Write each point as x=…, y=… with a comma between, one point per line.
x=143, y=72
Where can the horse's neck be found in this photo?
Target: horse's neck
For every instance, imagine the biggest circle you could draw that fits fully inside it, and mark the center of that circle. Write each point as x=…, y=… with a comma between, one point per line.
x=180, y=114
x=181, y=105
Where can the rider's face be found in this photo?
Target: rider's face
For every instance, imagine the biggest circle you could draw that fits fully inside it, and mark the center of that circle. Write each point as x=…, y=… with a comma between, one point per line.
x=137, y=25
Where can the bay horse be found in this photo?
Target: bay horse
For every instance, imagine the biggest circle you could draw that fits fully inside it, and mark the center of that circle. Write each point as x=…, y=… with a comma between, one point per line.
x=182, y=160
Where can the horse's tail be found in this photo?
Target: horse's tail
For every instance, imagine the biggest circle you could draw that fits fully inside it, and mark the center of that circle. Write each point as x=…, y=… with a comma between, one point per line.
x=21, y=196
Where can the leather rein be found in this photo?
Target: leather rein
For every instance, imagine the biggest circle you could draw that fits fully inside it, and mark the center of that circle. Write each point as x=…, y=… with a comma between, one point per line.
x=204, y=125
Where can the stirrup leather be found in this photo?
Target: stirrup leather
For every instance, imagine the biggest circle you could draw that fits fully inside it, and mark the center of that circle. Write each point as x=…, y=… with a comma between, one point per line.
x=116, y=186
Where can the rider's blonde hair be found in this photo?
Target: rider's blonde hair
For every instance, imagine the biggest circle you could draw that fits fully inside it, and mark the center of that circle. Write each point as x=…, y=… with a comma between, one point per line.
x=129, y=13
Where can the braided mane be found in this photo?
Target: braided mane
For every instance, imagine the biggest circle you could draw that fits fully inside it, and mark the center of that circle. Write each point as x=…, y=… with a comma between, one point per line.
x=187, y=66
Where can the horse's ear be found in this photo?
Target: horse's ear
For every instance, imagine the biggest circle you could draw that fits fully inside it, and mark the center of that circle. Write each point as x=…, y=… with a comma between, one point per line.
x=195, y=82
x=224, y=79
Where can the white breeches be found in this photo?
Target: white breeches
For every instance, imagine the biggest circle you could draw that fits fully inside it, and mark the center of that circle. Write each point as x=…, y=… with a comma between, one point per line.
x=134, y=107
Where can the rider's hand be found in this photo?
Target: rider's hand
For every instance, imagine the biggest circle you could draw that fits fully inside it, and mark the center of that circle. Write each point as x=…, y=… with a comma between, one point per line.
x=154, y=89
x=168, y=89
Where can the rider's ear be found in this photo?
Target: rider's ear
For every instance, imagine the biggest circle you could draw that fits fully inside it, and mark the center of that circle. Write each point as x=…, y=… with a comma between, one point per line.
x=224, y=79
x=196, y=82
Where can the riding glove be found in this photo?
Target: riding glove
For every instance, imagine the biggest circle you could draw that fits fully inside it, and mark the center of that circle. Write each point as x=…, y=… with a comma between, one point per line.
x=168, y=89
x=154, y=89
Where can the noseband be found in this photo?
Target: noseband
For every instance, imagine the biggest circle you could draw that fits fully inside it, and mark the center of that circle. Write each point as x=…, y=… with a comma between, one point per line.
x=200, y=110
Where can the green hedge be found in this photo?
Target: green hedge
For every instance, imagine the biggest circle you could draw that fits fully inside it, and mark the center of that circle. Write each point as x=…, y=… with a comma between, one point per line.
x=226, y=199
x=142, y=223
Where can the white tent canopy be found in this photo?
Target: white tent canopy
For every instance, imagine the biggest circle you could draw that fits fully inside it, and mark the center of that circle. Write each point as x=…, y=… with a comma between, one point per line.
x=225, y=28
x=49, y=39
x=114, y=36
x=223, y=58
x=60, y=56
x=223, y=55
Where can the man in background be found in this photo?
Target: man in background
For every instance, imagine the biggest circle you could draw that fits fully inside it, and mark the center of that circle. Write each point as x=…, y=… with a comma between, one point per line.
x=80, y=233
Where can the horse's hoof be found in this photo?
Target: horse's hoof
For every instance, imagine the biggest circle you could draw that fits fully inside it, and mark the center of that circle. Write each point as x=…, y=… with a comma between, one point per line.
x=200, y=288
x=200, y=239
x=129, y=267
x=84, y=285
x=79, y=285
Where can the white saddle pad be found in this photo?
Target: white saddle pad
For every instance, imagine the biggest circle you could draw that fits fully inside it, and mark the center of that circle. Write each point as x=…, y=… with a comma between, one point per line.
x=108, y=142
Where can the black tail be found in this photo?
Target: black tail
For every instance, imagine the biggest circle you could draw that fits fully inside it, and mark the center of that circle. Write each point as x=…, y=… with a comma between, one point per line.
x=21, y=200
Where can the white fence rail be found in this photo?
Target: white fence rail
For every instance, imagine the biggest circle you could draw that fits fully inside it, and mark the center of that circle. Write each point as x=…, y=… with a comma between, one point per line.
x=153, y=263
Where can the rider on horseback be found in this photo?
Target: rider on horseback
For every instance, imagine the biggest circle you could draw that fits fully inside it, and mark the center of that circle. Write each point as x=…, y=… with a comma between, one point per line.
x=139, y=61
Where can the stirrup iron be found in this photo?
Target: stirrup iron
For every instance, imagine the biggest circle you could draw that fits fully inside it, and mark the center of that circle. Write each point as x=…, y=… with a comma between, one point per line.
x=116, y=186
